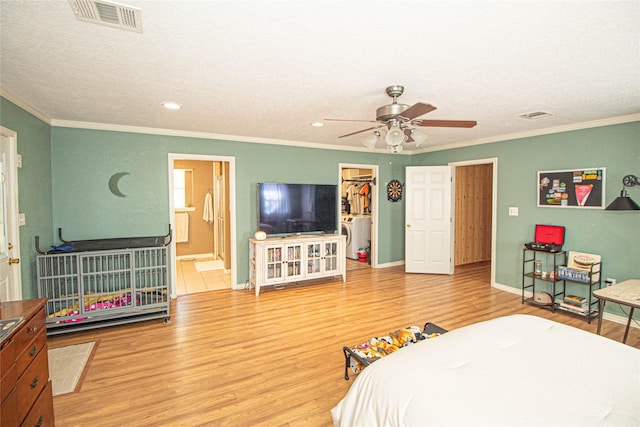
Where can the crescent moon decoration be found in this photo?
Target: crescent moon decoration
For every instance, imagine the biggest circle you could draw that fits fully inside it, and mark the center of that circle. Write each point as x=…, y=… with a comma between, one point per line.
x=113, y=183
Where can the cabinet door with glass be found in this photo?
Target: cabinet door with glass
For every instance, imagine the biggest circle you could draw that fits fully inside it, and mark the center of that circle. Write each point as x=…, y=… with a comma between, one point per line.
x=314, y=259
x=273, y=263
x=293, y=261
x=331, y=253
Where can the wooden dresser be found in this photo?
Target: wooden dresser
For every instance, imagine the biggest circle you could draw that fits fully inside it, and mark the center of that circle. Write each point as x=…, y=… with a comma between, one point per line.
x=25, y=387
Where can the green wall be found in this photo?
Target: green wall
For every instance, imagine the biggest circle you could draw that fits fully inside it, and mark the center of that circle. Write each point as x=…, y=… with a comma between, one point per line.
x=84, y=160
x=34, y=185
x=64, y=183
x=614, y=235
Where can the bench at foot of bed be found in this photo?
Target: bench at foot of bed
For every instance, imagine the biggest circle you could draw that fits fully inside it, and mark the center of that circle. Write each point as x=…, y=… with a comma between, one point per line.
x=359, y=357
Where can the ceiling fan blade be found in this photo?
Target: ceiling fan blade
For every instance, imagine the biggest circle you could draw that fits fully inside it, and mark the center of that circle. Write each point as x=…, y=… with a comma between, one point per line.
x=446, y=123
x=348, y=120
x=407, y=132
x=360, y=131
x=417, y=110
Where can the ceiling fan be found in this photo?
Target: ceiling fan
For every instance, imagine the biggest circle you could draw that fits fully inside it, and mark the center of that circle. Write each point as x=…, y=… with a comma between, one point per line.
x=400, y=120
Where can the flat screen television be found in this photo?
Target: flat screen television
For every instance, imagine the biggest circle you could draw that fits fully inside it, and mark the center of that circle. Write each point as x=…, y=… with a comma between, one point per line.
x=297, y=208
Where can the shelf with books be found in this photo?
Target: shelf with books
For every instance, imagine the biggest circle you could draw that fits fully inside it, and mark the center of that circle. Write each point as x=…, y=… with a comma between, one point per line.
x=569, y=273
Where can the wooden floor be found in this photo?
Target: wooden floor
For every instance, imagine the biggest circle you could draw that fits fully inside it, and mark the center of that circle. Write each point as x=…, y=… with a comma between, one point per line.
x=228, y=358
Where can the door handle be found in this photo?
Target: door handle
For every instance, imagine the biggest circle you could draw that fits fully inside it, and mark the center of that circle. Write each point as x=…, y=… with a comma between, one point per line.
x=408, y=225
x=14, y=261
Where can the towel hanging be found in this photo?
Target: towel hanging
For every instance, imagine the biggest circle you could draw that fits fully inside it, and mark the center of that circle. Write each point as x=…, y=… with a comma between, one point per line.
x=207, y=212
x=182, y=227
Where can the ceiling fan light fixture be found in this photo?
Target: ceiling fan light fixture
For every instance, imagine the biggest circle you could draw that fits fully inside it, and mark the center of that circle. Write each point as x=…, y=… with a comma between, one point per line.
x=394, y=148
x=371, y=140
x=418, y=136
x=395, y=136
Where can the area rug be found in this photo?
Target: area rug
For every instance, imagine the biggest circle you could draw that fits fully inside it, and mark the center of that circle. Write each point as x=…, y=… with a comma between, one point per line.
x=67, y=366
x=209, y=265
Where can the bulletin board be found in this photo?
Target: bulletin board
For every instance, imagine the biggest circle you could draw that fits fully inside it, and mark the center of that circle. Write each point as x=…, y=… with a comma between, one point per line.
x=572, y=188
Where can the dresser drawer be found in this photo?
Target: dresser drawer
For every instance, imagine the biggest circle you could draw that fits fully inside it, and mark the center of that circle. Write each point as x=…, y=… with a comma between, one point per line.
x=41, y=414
x=8, y=382
x=30, y=353
x=8, y=413
x=32, y=381
x=7, y=369
x=29, y=332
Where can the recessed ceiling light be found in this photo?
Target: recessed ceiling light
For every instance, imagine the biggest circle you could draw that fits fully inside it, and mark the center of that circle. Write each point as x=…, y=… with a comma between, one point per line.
x=317, y=124
x=535, y=115
x=170, y=105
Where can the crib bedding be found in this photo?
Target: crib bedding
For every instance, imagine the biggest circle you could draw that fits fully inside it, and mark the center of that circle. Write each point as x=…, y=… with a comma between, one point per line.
x=510, y=371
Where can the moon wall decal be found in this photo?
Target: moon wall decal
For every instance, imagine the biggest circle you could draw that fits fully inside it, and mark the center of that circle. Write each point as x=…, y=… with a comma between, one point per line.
x=113, y=183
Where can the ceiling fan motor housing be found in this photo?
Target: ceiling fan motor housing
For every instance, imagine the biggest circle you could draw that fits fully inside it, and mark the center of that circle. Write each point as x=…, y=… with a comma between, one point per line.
x=391, y=111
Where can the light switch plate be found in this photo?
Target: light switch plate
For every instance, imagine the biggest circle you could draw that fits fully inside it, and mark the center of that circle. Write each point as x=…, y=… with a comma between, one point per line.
x=21, y=219
x=513, y=211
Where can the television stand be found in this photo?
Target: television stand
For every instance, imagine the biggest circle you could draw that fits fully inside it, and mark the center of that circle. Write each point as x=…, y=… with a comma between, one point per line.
x=295, y=258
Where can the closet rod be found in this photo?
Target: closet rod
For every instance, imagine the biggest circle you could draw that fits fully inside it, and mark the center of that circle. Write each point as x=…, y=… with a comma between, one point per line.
x=371, y=181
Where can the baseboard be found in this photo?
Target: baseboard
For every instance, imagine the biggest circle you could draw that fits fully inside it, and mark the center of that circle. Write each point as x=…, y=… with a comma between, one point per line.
x=390, y=264
x=528, y=294
x=194, y=256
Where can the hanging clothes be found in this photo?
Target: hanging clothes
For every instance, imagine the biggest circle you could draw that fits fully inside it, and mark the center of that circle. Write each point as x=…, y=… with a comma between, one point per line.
x=364, y=193
x=354, y=199
x=207, y=212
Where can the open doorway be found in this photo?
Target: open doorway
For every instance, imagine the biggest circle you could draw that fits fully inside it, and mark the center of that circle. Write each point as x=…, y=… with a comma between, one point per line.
x=475, y=213
x=359, y=207
x=202, y=204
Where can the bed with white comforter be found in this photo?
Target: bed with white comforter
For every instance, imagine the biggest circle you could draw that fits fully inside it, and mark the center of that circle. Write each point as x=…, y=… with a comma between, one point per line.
x=511, y=371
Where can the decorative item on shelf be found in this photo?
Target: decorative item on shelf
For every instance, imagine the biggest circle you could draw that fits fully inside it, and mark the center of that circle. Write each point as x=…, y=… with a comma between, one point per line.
x=394, y=191
x=542, y=298
x=537, y=270
x=581, y=267
x=260, y=235
x=624, y=202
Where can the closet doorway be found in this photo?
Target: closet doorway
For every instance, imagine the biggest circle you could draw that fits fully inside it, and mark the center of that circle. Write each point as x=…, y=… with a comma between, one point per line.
x=202, y=206
x=476, y=187
x=358, y=214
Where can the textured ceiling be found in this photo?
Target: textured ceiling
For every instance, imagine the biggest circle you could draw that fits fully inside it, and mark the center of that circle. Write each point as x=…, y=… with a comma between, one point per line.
x=265, y=70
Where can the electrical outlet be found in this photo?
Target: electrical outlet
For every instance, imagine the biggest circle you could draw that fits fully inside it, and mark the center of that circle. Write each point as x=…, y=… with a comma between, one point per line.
x=610, y=281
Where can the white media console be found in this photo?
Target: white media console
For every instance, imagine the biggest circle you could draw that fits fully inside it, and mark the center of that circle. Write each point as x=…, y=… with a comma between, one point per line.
x=291, y=259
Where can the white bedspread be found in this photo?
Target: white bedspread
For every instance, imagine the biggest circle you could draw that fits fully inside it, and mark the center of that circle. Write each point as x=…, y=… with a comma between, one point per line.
x=510, y=371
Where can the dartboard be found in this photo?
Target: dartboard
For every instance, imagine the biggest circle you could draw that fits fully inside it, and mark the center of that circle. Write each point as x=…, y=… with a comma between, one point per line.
x=394, y=190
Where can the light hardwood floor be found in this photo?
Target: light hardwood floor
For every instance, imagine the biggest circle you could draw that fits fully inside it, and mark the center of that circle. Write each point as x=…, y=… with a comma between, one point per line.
x=228, y=358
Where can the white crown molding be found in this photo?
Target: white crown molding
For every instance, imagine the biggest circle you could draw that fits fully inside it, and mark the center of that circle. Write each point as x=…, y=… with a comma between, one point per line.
x=10, y=96
x=207, y=135
x=546, y=131
x=202, y=135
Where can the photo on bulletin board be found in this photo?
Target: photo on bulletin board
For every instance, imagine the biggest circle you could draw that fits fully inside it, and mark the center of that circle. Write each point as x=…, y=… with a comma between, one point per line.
x=572, y=188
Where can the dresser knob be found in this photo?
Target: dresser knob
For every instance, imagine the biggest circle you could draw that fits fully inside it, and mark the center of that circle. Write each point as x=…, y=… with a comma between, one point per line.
x=34, y=329
x=40, y=421
x=35, y=382
x=33, y=350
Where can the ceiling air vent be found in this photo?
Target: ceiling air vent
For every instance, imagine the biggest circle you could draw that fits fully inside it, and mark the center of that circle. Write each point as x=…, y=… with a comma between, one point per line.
x=535, y=115
x=108, y=13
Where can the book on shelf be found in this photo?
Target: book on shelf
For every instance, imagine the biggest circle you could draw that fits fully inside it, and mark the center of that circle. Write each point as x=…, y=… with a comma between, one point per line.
x=573, y=299
x=575, y=309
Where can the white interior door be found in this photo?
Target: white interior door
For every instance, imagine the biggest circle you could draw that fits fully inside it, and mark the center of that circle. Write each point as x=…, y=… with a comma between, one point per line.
x=10, y=284
x=428, y=220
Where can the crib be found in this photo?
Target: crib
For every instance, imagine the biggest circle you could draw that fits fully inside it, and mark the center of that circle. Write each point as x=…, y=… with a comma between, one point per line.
x=96, y=283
